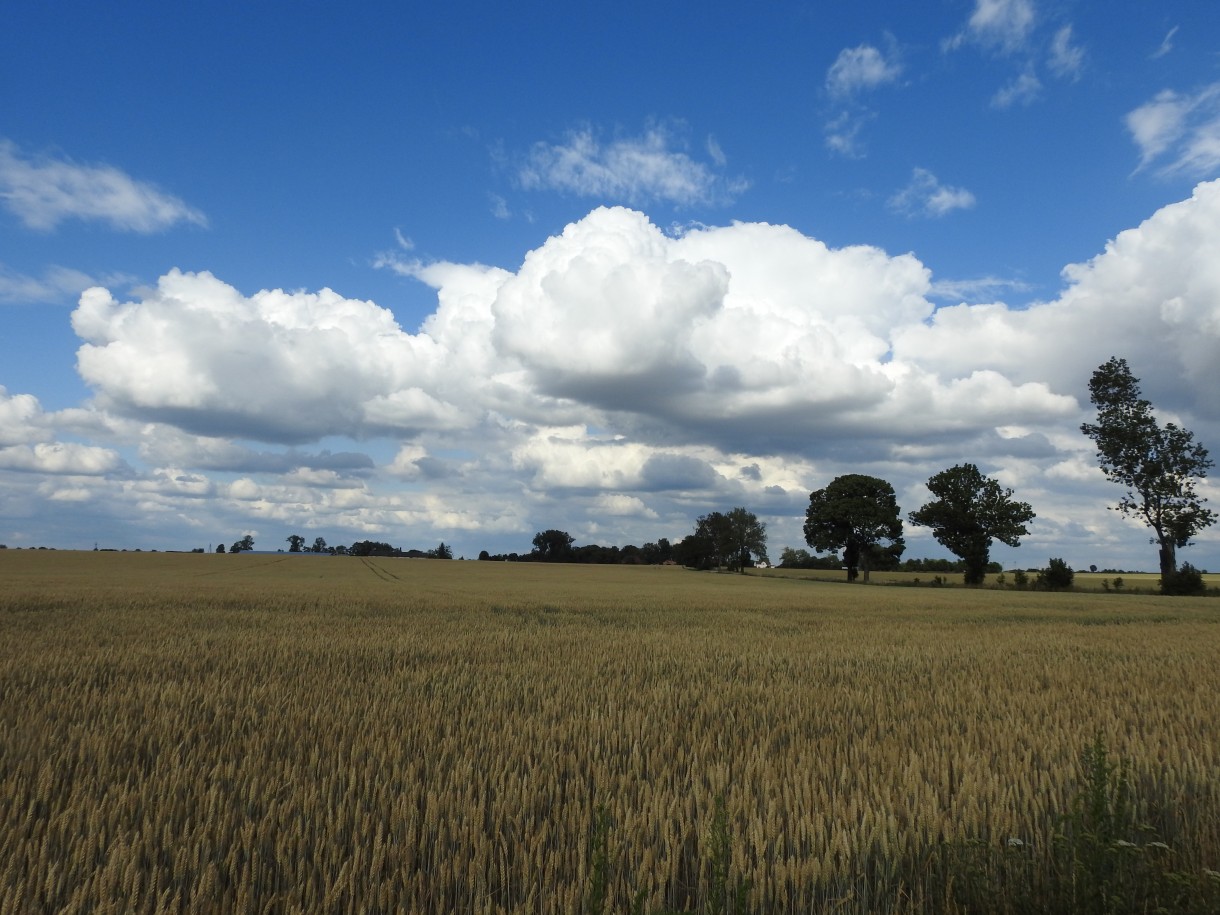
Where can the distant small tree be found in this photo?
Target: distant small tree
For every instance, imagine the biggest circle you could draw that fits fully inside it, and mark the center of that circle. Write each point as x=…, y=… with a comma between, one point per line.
x=441, y=552
x=724, y=539
x=746, y=539
x=854, y=513
x=553, y=546
x=295, y=542
x=319, y=545
x=484, y=556
x=1057, y=576
x=969, y=511
x=246, y=543
x=220, y=548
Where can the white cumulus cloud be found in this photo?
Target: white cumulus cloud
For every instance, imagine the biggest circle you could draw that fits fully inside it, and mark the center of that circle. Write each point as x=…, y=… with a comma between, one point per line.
x=859, y=68
x=622, y=380
x=60, y=458
x=274, y=366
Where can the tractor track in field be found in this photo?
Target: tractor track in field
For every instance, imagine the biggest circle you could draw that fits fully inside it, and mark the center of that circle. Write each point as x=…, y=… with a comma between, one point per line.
x=381, y=573
x=246, y=566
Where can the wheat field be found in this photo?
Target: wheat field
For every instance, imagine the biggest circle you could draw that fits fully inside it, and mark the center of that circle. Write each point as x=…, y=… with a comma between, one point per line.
x=283, y=734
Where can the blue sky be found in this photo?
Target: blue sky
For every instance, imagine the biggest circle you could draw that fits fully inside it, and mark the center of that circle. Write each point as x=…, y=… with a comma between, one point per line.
x=465, y=273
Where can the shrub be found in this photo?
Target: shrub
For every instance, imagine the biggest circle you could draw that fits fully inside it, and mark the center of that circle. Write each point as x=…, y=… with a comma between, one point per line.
x=1057, y=576
x=1185, y=581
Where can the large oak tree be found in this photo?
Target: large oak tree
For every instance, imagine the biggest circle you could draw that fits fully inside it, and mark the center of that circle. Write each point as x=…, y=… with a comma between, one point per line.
x=969, y=511
x=854, y=513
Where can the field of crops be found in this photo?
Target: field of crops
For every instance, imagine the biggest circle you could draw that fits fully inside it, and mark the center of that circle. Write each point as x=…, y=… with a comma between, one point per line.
x=262, y=733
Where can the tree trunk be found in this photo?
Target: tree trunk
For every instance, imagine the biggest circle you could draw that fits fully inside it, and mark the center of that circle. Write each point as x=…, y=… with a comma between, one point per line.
x=1169, y=563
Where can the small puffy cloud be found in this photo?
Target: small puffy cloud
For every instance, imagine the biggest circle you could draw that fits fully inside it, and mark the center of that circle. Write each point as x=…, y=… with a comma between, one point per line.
x=21, y=419
x=1181, y=131
x=60, y=458
x=629, y=169
x=1003, y=26
x=1065, y=59
x=855, y=71
x=499, y=207
x=1023, y=89
x=860, y=68
x=43, y=191
x=926, y=196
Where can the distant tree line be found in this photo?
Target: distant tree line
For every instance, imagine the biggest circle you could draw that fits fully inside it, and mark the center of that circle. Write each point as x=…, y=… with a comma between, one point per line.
x=296, y=544
x=883, y=561
x=560, y=546
x=858, y=515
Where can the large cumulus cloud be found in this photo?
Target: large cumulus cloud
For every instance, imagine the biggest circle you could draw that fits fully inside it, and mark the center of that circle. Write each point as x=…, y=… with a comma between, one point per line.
x=624, y=379
x=275, y=366
x=1152, y=296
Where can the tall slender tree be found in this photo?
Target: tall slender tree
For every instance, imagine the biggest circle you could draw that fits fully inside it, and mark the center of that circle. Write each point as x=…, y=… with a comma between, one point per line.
x=1158, y=465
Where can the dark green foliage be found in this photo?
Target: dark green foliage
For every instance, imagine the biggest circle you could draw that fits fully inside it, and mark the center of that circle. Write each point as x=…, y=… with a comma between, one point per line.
x=372, y=548
x=1057, y=576
x=802, y=559
x=724, y=539
x=971, y=510
x=246, y=543
x=599, y=862
x=1100, y=860
x=855, y=513
x=724, y=896
x=295, y=542
x=1157, y=465
x=552, y=546
x=1186, y=580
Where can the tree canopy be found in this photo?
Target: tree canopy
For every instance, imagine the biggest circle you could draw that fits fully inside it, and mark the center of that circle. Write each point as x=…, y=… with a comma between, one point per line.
x=724, y=539
x=242, y=545
x=1158, y=465
x=855, y=513
x=553, y=546
x=968, y=513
